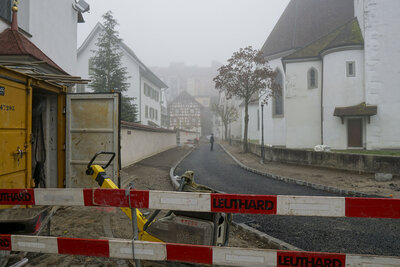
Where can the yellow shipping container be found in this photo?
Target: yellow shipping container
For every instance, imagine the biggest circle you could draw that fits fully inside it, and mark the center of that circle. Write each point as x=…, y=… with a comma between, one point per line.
x=17, y=91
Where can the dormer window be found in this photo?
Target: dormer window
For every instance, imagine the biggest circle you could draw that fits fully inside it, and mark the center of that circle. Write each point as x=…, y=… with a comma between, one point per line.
x=312, y=78
x=351, y=69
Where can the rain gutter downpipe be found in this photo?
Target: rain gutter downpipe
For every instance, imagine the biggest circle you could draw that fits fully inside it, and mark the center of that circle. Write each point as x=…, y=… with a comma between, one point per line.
x=322, y=100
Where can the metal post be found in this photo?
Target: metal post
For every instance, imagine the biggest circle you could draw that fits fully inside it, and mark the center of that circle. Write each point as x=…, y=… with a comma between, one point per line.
x=135, y=229
x=230, y=133
x=262, y=134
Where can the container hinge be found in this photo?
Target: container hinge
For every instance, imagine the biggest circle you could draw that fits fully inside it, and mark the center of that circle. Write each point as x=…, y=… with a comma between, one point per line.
x=64, y=111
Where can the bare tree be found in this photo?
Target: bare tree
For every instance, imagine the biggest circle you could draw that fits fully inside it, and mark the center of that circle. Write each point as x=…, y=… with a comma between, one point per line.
x=247, y=73
x=227, y=113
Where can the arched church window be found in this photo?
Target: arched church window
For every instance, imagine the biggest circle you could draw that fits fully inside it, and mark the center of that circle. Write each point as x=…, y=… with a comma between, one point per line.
x=312, y=78
x=277, y=102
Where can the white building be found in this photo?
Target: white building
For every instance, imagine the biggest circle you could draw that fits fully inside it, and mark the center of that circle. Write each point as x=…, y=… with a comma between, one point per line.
x=235, y=129
x=50, y=25
x=337, y=62
x=145, y=86
x=185, y=113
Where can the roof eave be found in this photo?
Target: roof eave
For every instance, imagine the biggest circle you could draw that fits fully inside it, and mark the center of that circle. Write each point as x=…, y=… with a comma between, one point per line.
x=340, y=48
x=300, y=59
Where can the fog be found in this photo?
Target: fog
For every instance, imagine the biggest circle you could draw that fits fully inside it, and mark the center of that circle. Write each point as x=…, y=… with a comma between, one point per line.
x=195, y=32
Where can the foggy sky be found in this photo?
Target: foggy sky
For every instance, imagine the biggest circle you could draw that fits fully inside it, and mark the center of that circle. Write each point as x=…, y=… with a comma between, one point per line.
x=195, y=32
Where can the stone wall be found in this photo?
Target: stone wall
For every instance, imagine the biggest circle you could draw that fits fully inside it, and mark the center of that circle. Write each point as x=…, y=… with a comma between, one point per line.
x=140, y=141
x=343, y=161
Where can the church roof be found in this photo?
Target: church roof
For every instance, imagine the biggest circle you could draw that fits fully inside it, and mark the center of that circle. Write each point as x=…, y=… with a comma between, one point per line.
x=347, y=35
x=305, y=21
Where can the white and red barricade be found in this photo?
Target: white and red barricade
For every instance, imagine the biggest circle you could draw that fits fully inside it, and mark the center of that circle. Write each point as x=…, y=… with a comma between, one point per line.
x=201, y=202
x=206, y=202
x=209, y=255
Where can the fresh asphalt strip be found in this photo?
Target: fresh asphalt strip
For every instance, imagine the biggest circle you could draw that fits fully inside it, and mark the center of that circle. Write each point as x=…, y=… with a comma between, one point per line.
x=342, y=235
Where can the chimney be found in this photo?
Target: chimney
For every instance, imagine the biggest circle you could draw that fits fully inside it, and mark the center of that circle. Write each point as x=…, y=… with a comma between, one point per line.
x=14, y=22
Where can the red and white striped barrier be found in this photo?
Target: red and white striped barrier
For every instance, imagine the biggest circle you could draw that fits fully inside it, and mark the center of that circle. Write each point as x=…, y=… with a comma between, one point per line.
x=225, y=256
x=203, y=202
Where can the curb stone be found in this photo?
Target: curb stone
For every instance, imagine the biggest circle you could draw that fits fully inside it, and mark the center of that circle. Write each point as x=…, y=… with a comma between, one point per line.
x=321, y=187
x=272, y=241
x=172, y=170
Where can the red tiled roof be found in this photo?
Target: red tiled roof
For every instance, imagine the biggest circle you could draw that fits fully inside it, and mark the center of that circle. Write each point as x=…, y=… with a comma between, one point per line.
x=13, y=43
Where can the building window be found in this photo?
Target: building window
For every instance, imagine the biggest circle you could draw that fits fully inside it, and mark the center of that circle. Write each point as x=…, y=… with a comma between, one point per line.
x=278, y=98
x=151, y=113
x=146, y=112
x=312, y=78
x=5, y=10
x=151, y=92
x=156, y=114
x=351, y=69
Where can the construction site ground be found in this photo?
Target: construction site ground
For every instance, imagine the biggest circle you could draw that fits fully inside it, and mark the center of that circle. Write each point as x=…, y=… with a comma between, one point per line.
x=96, y=222
x=352, y=181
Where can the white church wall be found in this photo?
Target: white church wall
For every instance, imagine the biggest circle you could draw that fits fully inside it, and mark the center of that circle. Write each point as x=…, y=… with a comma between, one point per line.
x=303, y=106
x=236, y=126
x=275, y=127
x=340, y=91
x=254, y=128
x=382, y=71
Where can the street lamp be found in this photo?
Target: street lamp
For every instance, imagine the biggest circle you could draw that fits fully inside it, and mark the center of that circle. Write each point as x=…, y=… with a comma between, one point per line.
x=262, y=134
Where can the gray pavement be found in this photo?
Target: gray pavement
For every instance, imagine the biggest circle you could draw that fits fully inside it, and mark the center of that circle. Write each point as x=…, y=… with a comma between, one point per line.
x=344, y=235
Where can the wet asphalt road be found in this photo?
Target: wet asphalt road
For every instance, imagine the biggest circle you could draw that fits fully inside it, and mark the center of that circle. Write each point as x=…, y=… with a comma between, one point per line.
x=341, y=235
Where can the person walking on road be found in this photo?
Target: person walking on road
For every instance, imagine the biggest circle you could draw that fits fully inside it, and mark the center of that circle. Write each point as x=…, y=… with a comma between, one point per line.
x=212, y=142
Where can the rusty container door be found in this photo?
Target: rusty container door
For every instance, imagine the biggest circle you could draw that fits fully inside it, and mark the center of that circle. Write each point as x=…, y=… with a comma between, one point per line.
x=92, y=125
x=15, y=128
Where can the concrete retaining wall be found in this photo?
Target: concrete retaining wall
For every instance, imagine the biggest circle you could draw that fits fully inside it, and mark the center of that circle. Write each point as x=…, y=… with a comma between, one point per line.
x=140, y=141
x=343, y=161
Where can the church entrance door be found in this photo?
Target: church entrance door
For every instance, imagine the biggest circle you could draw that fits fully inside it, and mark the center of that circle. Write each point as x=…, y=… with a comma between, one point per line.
x=354, y=133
